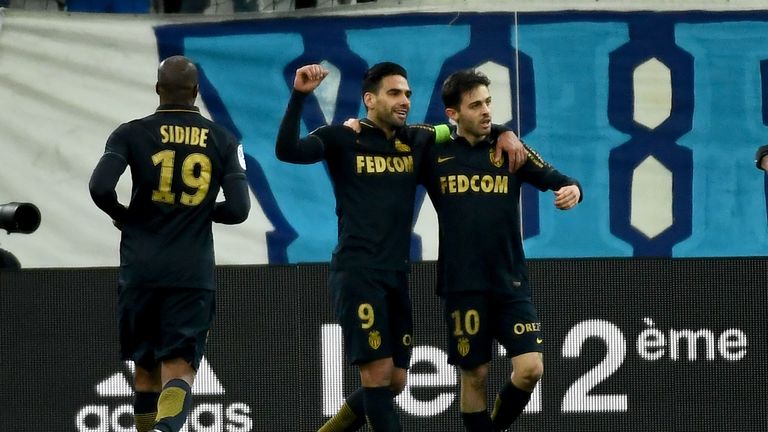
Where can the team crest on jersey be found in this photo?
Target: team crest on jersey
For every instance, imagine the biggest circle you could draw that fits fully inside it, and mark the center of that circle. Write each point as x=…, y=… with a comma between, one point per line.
x=401, y=147
x=496, y=163
x=374, y=339
x=463, y=346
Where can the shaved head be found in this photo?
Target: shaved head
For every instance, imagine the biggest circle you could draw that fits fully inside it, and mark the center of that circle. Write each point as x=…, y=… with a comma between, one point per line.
x=177, y=81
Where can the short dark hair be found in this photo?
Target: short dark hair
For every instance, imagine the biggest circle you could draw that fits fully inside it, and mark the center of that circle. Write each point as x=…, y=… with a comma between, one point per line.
x=459, y=83
x=376, y=73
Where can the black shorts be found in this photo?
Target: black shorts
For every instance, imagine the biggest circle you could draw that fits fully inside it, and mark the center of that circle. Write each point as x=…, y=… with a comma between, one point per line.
x=374, y=310
x=159, y=324
x=475, y=319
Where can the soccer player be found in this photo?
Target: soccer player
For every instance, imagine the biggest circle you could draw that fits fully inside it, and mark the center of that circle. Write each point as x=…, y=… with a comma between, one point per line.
x=482, y=274
x=179, y=161
x=374, y=179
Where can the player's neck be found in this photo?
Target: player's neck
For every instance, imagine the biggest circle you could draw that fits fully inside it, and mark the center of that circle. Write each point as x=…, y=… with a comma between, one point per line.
x=176, y=101
x=388, y=130
x=471, y=138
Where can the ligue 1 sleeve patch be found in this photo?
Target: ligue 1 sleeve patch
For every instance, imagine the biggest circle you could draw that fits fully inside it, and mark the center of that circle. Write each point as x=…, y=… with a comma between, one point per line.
x=241, y=156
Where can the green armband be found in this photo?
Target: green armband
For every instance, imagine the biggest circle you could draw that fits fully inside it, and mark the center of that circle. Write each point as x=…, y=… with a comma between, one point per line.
x=442, y=133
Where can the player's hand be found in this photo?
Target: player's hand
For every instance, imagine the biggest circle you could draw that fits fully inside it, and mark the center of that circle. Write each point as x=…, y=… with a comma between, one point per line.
x=353, y=124
x=509, y=143
x=309, y=77
x=567, y=197
x=764, y=163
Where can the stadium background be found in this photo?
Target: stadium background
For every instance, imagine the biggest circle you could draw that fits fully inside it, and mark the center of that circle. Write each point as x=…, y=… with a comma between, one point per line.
x=658, y=112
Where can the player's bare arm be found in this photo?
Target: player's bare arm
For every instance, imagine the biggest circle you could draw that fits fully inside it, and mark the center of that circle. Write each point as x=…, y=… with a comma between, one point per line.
x=567, y=197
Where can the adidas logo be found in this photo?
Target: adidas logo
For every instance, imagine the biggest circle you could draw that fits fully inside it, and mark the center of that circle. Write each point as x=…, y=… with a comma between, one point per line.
x=110, y=415
x=206, y=382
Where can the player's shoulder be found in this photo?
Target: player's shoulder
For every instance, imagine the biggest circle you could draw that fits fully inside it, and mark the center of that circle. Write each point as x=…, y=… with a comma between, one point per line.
x=417, y=134
x=330, y=128
x=421, y=128
x=219, y=128
x=128, y=128
x=334, y=134
x=220, y=131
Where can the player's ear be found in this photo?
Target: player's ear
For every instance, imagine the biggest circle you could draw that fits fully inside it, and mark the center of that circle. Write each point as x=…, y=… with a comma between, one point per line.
x=451, y=113
x=157, y=88
x=369, y=99
x=195, y=91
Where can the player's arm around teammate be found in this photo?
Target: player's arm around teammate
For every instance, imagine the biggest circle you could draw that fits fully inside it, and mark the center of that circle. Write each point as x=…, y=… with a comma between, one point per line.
x=485, y=290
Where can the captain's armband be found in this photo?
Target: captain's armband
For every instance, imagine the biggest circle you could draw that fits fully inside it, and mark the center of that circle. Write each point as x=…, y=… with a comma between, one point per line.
x=442, y=133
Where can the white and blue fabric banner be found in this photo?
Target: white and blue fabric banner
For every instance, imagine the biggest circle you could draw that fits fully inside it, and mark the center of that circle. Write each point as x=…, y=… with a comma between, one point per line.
x=658, y=114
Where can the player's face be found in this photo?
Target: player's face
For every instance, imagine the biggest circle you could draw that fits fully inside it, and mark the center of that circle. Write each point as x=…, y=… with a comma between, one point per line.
x=389, y=107
x=474, y=114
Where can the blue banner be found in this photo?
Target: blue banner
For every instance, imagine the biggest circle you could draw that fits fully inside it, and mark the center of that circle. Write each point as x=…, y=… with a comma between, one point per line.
x=657, y=114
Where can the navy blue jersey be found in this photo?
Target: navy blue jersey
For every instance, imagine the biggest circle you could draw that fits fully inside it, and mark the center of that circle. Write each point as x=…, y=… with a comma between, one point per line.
x=477, y=203
x=374, y=181
x=179, y=160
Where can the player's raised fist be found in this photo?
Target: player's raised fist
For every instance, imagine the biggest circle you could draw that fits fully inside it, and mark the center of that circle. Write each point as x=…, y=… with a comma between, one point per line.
x=309, y=77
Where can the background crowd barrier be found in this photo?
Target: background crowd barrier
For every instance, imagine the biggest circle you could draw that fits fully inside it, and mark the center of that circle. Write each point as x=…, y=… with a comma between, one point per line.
x=630, y=345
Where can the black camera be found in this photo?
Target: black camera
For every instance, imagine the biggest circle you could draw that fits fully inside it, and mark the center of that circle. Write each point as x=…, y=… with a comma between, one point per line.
x=18, y=217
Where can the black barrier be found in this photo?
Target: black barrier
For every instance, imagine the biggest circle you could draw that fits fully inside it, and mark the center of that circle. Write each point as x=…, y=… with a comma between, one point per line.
x=631, y=345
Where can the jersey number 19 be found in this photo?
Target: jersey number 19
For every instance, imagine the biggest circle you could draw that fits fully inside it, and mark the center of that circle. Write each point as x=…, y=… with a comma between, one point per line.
x=195, y=173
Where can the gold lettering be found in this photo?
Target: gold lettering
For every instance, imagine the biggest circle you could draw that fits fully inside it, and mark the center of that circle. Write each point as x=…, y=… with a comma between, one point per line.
x=487, y=184
x=519, y=329
x=179, y=135
x=204, y=137
x=381, y=164
x=460, y=183
x=194, y=136
x=463, y=183
x=399, y=164
x=452, y=184
x=164, y=137
x=360, y=163
x=190, y=135
x=501, y=184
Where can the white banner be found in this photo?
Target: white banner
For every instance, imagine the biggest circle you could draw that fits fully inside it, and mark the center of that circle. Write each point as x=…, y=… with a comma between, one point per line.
x=67, y=81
